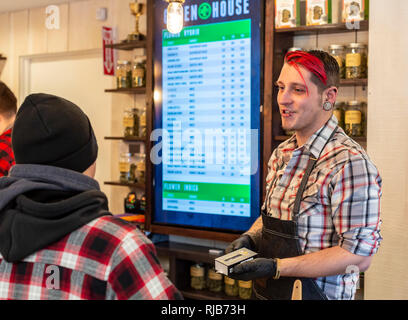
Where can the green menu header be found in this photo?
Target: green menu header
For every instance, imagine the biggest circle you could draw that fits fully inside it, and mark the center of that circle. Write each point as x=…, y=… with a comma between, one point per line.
x=206, y=191
x=231, y=30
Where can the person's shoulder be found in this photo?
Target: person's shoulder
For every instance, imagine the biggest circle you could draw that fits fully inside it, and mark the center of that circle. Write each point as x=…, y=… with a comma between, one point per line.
x=348, y=152
x=117, y=229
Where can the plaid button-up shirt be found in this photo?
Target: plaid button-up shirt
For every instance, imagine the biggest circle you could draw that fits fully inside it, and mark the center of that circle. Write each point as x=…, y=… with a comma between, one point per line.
x=108, y=258
x=341, y=202
x=6, y=153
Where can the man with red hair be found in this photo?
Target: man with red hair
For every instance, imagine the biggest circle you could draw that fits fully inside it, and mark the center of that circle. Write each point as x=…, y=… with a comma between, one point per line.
x=321, y=216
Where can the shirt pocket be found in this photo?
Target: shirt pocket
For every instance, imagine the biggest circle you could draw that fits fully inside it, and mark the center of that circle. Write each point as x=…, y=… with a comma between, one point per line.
x=313, y=199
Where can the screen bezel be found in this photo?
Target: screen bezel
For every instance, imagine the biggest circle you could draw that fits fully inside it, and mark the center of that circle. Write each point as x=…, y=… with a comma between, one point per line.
x=257, y=55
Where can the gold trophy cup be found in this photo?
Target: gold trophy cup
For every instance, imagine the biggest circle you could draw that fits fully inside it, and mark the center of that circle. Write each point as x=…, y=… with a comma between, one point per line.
x=137, y=10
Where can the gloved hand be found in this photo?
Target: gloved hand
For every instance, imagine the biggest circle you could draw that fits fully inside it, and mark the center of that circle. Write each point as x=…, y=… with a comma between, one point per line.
x=243, y=241
x=254, y=269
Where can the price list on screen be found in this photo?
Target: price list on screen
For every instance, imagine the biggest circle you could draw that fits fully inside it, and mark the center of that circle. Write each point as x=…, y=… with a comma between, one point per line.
x=206, y=97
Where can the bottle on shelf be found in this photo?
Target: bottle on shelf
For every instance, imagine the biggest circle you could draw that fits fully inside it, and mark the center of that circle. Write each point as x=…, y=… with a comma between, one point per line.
x=139, y=72
x=127, y=168
x=337, y=52
x=197, y=276
x=353, y=119
x=123, y=74
x=143, y=128
x=214, y=280
x=338, y=112
x=131, y=122
x=356, y=61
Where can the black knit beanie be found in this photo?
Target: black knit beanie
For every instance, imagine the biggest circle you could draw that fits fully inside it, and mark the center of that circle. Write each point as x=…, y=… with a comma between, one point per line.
x=50, y=130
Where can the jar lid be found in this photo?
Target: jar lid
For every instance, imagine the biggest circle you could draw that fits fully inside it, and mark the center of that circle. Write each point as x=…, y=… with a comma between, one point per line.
x=213, y=275
x=357, y=46
x=123, y=62
x=245, y=284
x=139, y=58
x=353, y=103
x=229, y=280
x=126, y=154
x=338, y=103
x=336, y=47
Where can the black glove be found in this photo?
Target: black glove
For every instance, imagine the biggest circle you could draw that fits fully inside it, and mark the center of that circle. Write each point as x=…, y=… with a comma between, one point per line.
x=243, y=241
x=254, y=269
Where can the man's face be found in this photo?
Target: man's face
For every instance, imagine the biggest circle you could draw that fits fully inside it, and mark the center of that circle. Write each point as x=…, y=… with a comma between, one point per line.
x=299, y=101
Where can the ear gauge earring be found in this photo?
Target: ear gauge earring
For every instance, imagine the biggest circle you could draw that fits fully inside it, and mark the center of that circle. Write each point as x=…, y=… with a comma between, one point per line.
x=327, y=106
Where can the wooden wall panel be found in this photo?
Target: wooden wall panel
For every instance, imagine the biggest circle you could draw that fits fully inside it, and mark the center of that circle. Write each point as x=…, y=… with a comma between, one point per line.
x=84, y=31
x=57, y=40
x=37, y=32
x=19, y=44
x=5, y=45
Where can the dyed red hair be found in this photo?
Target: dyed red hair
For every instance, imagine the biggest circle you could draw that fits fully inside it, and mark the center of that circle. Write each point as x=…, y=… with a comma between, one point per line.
x=309, y=62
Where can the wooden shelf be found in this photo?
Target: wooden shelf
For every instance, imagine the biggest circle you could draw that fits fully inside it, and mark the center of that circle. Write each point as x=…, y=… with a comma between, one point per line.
x=140, y=90
x=181, y=257
x=206, y=295
x=121, y=184
x=353, y=82
x=186, y=251
x=127, y=45
x=322, y=29
x=127, y=139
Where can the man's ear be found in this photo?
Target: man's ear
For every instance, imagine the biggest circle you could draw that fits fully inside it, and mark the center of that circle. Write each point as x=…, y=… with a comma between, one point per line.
x=330, y=94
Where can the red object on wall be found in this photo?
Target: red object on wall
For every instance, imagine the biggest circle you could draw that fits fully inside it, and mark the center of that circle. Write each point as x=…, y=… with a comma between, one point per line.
x=108, y=53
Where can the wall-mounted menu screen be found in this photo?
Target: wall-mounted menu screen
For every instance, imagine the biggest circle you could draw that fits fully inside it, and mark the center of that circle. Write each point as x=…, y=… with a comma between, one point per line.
x=207, y=122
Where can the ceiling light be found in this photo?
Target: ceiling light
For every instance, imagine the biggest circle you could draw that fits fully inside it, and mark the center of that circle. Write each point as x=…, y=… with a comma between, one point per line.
x=175, y=16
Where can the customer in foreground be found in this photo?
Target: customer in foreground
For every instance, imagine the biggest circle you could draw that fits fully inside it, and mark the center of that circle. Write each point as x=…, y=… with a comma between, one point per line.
x=58, y=239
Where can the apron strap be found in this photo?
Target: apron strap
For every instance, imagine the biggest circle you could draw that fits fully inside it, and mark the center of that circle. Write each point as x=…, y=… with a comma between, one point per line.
x=310, y=166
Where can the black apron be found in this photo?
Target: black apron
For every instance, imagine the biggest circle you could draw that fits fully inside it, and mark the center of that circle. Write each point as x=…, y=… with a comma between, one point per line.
x=280, y=240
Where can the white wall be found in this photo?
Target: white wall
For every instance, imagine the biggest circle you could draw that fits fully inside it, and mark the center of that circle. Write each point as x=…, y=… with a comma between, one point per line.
x=387, y=145
x=79, y=78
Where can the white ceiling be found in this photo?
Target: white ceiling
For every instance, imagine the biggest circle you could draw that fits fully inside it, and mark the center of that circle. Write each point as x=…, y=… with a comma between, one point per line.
x=15, y=5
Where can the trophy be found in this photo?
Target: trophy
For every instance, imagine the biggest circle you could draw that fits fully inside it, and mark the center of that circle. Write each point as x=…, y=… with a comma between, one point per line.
x=137, y=10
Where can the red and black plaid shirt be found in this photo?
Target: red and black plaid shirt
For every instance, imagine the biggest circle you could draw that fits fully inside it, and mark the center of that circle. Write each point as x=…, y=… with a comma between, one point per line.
x=6, y=153
x=107, y=259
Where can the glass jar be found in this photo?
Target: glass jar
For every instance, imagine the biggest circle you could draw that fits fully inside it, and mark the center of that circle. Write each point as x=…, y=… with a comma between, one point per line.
x=353, y=119
x=143, y=130
x=338, y=53
x=338, y=112
x=139, y=73
x=131, y=122
x=127, y=168
x=197, y=272
x=231, y=287
x=245, y=289
x=140, y=161
x=214, y=281
x=143, y=204
x=356, y=61
x=123, y=74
